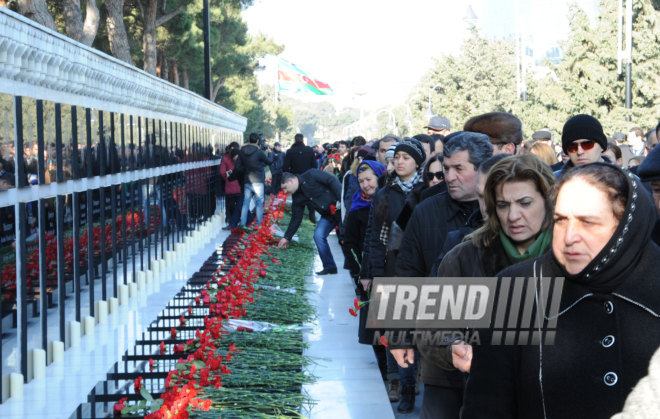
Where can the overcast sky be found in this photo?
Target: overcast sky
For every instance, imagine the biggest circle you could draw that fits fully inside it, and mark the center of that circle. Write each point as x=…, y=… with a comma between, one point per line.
x=376, y=51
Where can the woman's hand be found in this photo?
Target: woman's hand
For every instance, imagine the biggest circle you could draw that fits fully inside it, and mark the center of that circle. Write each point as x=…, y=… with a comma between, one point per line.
x=461, y=356
x=404, y=355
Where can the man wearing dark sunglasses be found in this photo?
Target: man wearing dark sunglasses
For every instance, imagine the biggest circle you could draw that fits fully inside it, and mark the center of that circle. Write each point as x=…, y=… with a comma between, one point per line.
x=584, y=141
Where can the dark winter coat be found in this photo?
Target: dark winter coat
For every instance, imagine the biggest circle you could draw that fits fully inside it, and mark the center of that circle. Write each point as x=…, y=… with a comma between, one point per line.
x=298, y=159
x=318, y=189
x=355, y=224
x=426, y=232
x=436, y=189
x=382, y=261
x=607, y=329
x=355, y=229
x=464, y=260
x=253, y=162
x=278, y=162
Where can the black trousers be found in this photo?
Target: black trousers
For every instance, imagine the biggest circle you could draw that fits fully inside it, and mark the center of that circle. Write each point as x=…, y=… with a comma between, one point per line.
x=231, y=206
x=441, y=402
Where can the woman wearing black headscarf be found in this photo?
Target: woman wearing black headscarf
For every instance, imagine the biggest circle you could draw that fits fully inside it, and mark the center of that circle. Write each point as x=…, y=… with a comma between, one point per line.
x=608, y=321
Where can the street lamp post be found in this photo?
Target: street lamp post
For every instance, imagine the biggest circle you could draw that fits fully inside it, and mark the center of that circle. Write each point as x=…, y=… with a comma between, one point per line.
x=625, y=55
x=207, y=50
x=408, y=119
x=429, y=112
x=391, y=123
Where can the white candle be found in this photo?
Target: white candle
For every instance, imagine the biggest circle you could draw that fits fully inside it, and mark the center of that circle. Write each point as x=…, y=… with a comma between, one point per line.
x=132, y=289
x=163, y=267
x=141, y=280
x=73, y=334
x=101, y=311
x=123, y=294
x=114, y=305
x=38, y=364
x=56, y=351
x=88, y=325
x=16, y=385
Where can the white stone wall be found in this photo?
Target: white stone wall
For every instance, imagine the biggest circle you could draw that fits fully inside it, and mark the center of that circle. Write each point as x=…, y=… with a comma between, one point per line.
x=40, y=63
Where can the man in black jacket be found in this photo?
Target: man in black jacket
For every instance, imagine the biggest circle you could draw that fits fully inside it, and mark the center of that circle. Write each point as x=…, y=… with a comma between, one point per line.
x=423, y=241
x=322, y=192
x=297, y=160
x=252, y=162
x=276, y=168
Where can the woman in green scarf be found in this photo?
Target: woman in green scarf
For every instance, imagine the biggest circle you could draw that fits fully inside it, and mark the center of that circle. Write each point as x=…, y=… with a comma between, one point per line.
x=517, y=227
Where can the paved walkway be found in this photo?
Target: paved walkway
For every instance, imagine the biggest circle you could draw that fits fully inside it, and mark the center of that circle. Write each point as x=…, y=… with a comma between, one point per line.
x=349, y=382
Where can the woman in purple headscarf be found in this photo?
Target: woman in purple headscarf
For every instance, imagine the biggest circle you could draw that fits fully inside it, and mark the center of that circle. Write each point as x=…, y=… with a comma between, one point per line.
x=355, y=224
x=355, y=230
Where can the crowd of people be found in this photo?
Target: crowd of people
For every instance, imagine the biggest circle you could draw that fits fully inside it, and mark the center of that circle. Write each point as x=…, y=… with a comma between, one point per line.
x=484, y=202
x=479, y=202
x=181, y=199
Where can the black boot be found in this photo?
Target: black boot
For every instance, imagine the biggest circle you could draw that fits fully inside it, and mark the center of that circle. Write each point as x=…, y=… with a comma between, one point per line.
x=407, y=403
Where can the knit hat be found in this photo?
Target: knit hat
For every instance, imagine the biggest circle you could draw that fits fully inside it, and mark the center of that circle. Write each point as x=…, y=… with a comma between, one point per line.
x=390, y=151
x=413, y=147
x=583, y=127
x=364, y=151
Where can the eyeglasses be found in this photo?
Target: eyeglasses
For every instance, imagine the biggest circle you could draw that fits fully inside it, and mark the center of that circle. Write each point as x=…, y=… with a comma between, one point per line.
x=586, y=145
x=437, y=175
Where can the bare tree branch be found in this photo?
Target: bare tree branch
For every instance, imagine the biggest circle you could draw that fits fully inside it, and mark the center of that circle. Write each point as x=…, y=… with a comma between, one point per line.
x=165, y=18
x=141, y=6
x=216, y=88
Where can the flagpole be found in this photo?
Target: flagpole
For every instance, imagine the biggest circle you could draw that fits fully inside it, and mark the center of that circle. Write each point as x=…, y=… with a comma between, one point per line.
x=277, y=98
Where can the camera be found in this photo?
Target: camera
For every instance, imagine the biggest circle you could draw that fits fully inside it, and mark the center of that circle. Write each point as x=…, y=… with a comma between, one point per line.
x=262, y=142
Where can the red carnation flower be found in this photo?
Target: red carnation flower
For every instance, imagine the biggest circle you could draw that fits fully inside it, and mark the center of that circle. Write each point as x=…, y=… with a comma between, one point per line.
x=119, y=406
x=137, y=385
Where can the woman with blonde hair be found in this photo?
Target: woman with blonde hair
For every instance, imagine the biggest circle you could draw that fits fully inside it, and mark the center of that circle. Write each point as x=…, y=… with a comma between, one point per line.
x=543, y=152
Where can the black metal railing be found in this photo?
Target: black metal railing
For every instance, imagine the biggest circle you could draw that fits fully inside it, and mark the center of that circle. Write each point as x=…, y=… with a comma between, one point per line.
x=91, y=195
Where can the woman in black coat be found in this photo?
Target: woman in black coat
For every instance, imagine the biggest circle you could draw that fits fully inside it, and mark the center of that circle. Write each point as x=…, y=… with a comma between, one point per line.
x=388, y=217
x=608, y=322
x=355, y=224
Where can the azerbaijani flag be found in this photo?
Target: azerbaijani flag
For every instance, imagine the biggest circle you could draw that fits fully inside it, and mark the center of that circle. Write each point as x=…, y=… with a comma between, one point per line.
x=291, y=78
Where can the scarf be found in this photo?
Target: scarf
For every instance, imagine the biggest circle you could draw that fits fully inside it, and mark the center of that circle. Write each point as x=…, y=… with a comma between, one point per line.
x=360, y=200
x=407, y=185
x=535, y=250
